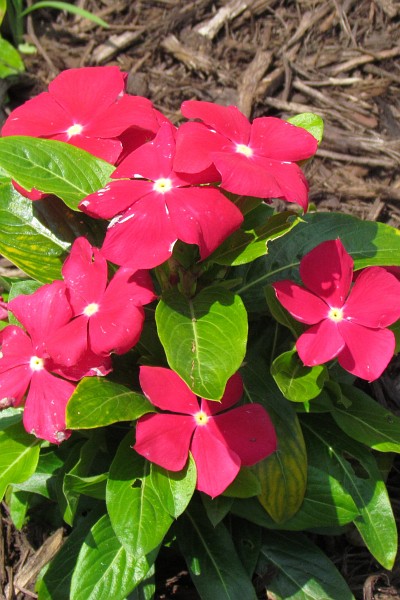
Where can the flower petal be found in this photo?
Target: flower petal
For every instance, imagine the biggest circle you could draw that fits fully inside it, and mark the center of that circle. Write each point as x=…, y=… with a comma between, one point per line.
x=374, y=300
x=165, y=439
x=280, y=140
x=195, y=145
x=116, y=327
x=248, y=431
x=233, y=393
x=328, y=271
x=217, y=465
x=115, y=198
x=67, y=344
x=367, y=351
x=14, y=381
x=40, y=116
x=166, y=390
x=320, y=343
x=302, y=304
x=44, y=413
x=227, y=120
x=85, y=274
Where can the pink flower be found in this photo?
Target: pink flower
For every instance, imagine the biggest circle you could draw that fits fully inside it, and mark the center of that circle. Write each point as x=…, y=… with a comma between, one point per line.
x=254, y=159
x=346, y=322
x=159, y=206
x=25, y=365
x=219, y=439
x=108, y=318
x=88, y=108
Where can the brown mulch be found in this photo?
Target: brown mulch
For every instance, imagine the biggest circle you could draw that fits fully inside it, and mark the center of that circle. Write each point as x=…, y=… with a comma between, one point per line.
x=337, y=58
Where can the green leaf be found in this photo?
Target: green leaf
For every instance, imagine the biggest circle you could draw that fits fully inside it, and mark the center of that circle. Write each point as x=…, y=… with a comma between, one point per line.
x=93, y=486
x=304, y=571
x=280, y=314
x=245, y=485
x=204, y=337
x=247, y=540
x=366, y=421
x=10, y=60
x=19, y=454
x=216, y=508
x=75, y=10
x=174, y=489
x=104, y=568
x=56, y=582
x=18, y=504
x=53, y=167
x=282, y=474
x=251, y=240
x=138, y=515
x=97, y=402
x=311, y=122
x=10, y=416
x=214, y=565
x=363, y=480
x=3, y=8
x=43, y=479
x=369, y=243
x=297, y=382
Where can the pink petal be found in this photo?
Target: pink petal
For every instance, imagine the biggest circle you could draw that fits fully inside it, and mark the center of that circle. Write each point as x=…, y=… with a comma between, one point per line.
x=41, y=116
x=44, y=413
x=233, y=393
x=134, y=286
x=115, y=198
x=116, y=327
x=302, y=304
x=132, y=139
x=67, y=344
x=248, y=431
x=86, y=93
x=195, y=145
x=374, y=300
x=15, y=345
x=127, y=111
x=164, y=439
x=328, y=271
x=280, y=140
x=262, y=178
x=226, y=120
x=166, y=390
x=43, y=312
x=217, y=465
x=108, y=150
x=14, y=381
x=89, y=365
x=85, y=274
x=33, y=194
x=202, y=216
x=143, y=237
x=367, y=351
x=320, y=343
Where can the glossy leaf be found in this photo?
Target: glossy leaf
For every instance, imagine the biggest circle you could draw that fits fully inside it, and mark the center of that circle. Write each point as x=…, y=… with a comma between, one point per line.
x=247, y=539
x=10, y=60
x=104, y=568
x=137, y=512
x=53, y=167
x=97, y=402
x=280, y=314
x=282, y=474
x=216, y=508
x=297, y=382
x=43, y=479
x=311, y=122
x=368, y=242
x=245, y=485
x=19, y=454
x=204, y=337
x=10, y=416
x=366, y=421
x=304, y=571
x=175, y=490
x=214, y=565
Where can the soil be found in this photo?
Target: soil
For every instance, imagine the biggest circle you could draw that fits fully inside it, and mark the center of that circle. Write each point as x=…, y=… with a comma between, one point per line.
x=336, y=58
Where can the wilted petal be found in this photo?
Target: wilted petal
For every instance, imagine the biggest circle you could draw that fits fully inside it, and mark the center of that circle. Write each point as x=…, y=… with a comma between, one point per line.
x=367, y=351
x=166, y=390
x=302, y=304
x=44, y=413
x=165, y=439
x=374, y=300
x=217, y=465
x=320, y=343
x=280, y=140
x=328, y=271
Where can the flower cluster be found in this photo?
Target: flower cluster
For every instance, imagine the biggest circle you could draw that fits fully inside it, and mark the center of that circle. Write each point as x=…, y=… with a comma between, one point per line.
x=348, y=321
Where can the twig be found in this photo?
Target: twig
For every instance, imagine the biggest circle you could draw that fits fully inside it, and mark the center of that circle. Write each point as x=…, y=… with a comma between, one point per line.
x=364, y=59
x=358, y=160
x=114, y=45
x=252, y=76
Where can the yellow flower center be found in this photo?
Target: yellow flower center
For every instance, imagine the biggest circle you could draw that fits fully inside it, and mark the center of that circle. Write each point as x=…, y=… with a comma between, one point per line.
x=74, y=130
x=36, y=363
x=91, y=309
x=335, y=314
x=162, y=185
x=243, y=149
x=201, y=418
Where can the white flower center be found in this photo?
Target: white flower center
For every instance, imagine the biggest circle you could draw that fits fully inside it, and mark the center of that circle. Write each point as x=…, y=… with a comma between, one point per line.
x=162, y=185
x=201, y=418
x=74, y=130
x=243, y=149
x=36, y=363
x=335, y=314
x=91, y=309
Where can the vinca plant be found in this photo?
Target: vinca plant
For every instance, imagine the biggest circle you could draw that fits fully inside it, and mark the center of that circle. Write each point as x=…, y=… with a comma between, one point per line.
x=182, y=365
